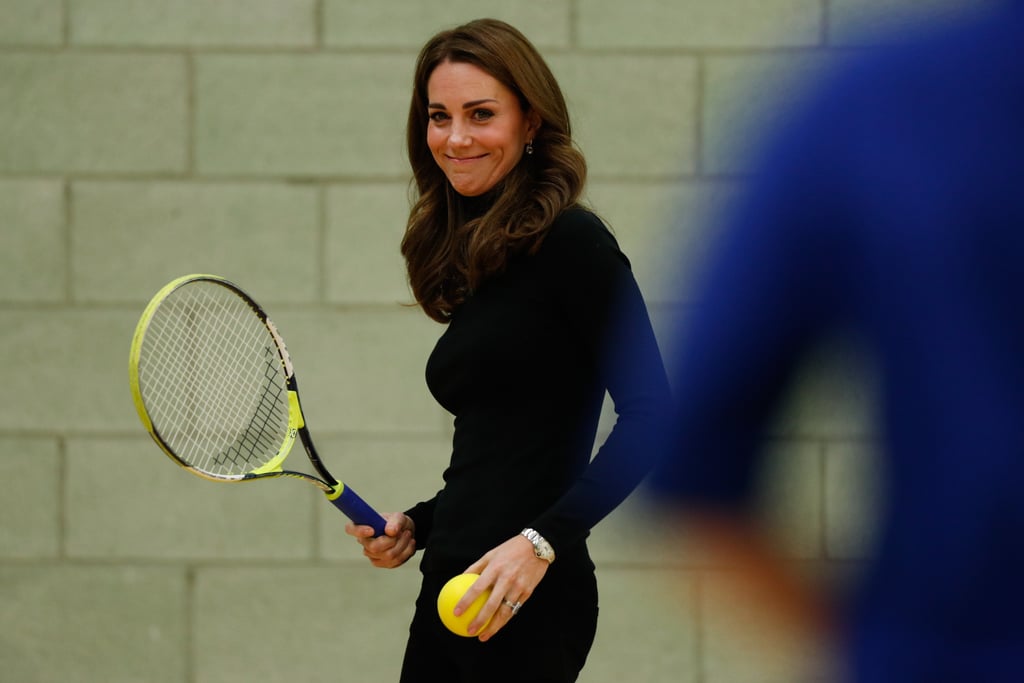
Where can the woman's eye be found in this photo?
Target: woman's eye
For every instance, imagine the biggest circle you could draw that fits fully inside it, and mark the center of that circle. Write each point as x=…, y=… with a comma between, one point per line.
x=482, y=114
x=438, y=117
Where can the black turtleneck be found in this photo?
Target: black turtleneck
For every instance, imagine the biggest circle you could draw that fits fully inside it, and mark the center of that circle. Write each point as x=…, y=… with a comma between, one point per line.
x=524, y=366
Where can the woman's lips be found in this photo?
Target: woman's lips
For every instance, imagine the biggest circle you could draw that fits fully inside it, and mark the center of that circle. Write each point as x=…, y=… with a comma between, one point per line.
x=463, y=160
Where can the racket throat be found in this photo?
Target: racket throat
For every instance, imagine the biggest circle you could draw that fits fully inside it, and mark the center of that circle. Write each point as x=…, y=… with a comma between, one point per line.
x=334, y=491
x=314, y=458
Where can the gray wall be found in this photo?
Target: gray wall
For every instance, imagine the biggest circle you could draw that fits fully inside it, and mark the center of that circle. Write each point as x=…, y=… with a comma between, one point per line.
x=262, y=140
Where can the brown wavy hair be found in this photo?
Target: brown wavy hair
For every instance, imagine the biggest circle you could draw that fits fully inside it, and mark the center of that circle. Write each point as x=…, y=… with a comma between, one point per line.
x=446, y=255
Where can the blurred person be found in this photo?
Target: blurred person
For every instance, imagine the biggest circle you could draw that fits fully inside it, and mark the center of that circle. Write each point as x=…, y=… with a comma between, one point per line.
x=539, y=305
x=888, y=209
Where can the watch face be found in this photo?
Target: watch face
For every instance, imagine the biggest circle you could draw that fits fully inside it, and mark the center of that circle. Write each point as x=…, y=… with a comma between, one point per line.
x=541, y=548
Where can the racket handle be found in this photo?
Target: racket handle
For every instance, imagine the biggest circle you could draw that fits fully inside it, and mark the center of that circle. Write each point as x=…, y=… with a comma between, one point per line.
x=356, y=509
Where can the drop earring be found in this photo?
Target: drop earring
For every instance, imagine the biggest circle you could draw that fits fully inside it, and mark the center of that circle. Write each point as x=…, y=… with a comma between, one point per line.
x=529, y=147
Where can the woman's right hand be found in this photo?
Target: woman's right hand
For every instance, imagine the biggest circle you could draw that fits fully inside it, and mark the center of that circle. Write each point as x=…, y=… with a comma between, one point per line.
x=393, y=548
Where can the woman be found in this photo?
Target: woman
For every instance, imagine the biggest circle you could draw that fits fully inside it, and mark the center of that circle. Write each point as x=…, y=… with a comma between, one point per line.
x=543, y=316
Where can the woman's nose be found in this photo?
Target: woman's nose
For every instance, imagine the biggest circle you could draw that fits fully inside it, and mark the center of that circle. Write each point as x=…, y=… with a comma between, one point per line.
x=460, y=135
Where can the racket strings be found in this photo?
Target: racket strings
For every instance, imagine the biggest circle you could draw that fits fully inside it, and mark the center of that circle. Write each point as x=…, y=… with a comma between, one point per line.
x=213, y=381
x=262, y=435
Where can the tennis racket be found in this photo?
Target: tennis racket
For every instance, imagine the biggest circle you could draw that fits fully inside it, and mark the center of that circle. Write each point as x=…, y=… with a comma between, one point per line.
x=214, y=386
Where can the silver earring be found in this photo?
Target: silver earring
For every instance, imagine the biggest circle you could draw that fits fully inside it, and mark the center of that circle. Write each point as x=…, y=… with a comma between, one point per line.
x=529, y=147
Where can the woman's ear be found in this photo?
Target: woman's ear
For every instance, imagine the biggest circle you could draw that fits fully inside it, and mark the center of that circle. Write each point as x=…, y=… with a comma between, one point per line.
x=533, y=122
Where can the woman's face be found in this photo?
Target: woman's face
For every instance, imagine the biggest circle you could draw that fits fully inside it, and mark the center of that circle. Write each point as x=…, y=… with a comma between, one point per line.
x=476, y=130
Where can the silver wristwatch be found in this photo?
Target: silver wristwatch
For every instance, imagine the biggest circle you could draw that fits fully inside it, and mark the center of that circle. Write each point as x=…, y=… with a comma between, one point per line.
x=541, y=548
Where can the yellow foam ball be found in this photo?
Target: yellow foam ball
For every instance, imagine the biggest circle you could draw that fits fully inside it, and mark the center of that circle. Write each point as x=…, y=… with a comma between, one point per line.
x=450, y=596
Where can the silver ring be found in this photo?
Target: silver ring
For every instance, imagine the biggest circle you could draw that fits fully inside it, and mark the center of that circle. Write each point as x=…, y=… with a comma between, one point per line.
x=514, y=606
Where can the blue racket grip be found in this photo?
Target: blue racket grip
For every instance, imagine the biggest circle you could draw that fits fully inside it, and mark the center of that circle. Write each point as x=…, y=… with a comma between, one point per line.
x=356, y=509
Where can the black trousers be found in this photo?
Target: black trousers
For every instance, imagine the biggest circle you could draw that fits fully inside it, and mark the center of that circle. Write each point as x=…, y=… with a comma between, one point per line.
x=546, y=642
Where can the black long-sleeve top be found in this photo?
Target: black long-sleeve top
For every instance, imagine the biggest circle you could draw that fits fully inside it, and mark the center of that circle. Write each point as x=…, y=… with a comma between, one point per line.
x=523, y=366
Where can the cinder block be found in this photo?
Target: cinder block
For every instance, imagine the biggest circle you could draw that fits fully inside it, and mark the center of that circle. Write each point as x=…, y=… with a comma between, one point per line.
x=747, y=98
x=264, y=237
x=637, y=95
x=315, y=624
x=225, y=23
x=852, y=498
x=363, y=370
x=72, y=370
x=31, y=22
x=664, y=228
x=92, y=113
x=790, y=501
x=365, y=225
x=642, y=536
x=833, y=395
x=643, y=217
x=29, y=507
x=359, y=370
x=699, y=23
x=744, y=642
x=302, y=115
x=93, y=623
x=409, y=23
x=647, y=629
x=791, y=497
x=126, y=499
x=33, y=252
x=391, y=474
x=872, y=22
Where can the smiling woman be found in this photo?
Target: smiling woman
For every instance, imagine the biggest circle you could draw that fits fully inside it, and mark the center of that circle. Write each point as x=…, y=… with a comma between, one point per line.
x=543, y=318
x=449, y=252
x=478, y=130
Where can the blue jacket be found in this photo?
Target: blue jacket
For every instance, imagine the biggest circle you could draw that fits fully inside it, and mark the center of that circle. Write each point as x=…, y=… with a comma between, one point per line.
x=891, y=208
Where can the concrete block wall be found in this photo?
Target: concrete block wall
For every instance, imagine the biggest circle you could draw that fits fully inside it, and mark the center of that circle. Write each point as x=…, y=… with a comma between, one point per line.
x=262, y=140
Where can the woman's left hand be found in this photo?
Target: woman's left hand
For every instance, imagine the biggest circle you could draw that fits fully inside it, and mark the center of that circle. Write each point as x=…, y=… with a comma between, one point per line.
x=511, y=571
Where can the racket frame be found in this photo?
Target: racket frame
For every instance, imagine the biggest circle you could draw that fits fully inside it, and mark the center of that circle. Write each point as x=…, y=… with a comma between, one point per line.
x=343, y=497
